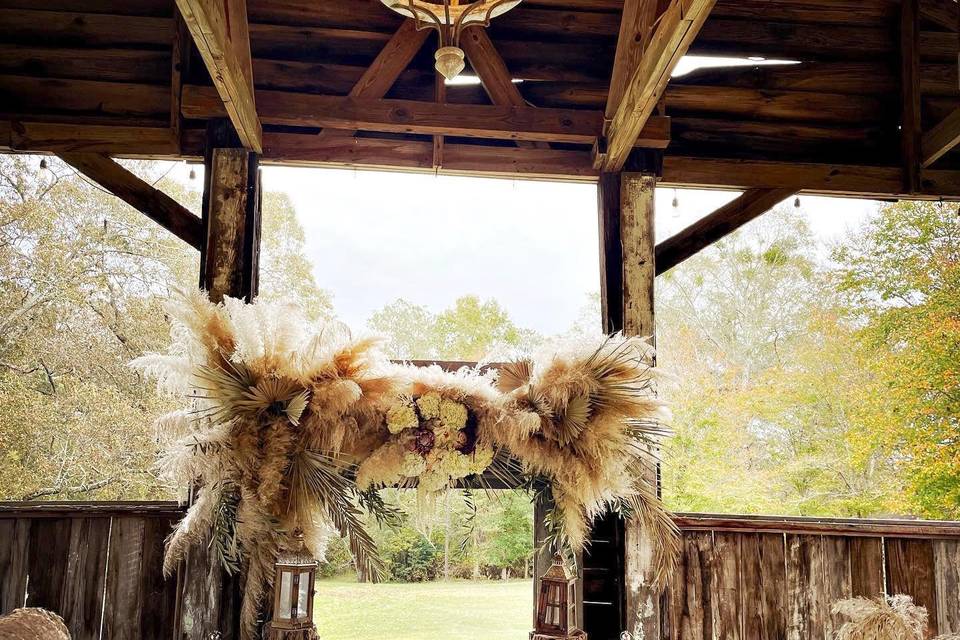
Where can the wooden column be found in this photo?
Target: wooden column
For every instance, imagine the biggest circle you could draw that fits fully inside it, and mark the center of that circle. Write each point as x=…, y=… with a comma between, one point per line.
x=231, y=215
x=618, y=568
x=209, y=601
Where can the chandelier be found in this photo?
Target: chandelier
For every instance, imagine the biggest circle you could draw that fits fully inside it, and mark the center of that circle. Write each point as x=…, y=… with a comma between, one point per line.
x=450, y=18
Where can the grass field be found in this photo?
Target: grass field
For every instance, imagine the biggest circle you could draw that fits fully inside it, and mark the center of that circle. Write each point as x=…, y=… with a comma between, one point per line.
x=482, y=610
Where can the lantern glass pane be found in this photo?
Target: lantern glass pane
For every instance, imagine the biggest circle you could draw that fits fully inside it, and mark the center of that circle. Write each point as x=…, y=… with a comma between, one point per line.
x=286, y=578
x=303, y=595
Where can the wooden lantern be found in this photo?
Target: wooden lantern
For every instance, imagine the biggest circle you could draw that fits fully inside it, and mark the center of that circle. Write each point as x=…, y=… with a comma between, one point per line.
x=293, y=589
x=557, y=605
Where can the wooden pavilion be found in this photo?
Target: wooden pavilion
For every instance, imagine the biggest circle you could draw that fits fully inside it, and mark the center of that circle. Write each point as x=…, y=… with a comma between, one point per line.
x=868, y=106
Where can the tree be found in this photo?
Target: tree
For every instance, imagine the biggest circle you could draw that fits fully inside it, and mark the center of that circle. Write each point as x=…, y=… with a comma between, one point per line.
x=768, y=398
x=285, y=270
x=902, y=272
x=83, y=279
x=469, y=330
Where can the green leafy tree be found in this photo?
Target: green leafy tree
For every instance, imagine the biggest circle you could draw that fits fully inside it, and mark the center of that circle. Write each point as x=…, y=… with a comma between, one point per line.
x=902, y=273
x=469, y=330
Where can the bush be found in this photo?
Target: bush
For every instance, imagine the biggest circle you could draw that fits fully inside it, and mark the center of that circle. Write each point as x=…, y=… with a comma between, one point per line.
x=411, y=558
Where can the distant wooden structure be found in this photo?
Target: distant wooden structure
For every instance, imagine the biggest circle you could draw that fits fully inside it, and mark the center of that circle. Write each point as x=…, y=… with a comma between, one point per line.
x=864, y=102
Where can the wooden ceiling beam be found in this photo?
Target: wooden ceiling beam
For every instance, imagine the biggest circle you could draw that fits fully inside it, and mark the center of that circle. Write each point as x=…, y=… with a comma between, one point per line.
x=55, y=137
x=941, y=139
x=428, y=118
x=153, y=203
x=910, y=95
x=383, y=72
x=493, y=73
x=678, y=25
x=221, y=33
x=942, y=13
x=636, y=27
x=711, y=228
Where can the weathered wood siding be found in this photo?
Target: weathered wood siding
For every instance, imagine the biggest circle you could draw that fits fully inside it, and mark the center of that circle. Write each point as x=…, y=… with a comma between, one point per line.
x=96, y=564
x=745, y=578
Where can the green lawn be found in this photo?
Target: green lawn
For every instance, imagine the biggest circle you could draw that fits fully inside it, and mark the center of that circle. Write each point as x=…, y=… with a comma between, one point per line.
x=482, y=610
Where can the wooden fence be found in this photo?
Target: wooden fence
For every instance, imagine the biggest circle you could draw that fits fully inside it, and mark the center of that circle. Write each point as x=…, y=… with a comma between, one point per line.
x=773, y=578
x=96, y=564
x=741, y=578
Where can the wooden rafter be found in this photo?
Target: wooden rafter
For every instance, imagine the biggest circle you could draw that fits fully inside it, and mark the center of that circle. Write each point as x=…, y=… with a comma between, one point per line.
x=941, y=139
x=392, y=60
x=942, y=13
x=493, y=73
x=636, y=26
x=429, y=118
x=676, y=29
x=910, y=131
x=220, y=31
x=711, y=228
x=152, y=202
x=440, y=97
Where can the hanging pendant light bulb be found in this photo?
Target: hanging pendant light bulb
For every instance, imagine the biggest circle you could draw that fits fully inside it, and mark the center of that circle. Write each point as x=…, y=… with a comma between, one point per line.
x=193, y=173
x=450, y=18
x=43, y=163
x=676, y=199
x=796, y=202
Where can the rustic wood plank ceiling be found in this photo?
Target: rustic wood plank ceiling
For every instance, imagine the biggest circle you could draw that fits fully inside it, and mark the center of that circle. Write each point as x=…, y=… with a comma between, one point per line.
x=834, y=117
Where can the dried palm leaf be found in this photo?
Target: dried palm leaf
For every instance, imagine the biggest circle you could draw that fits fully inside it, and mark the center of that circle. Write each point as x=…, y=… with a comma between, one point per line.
x=573, y=420
x=514, y=375
x=318, y=479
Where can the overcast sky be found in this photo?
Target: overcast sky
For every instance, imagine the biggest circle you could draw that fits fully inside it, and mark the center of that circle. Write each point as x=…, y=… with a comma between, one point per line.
x=376, y=236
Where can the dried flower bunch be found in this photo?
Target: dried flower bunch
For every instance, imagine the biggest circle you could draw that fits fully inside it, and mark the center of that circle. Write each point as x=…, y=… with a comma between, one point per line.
x=291, y=426
x=884, y=618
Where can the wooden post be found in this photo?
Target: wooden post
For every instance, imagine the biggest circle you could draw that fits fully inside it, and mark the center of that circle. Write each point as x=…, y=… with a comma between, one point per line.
x=209, y=601
x=627, y=257
x=231, y=216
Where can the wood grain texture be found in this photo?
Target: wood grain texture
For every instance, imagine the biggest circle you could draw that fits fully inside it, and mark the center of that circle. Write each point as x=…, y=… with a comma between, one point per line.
x=910, y=131
x=81, y=602
x=123, y=606
x=220, y=31
x=837, y=580
x=152, y=202
x=637, y=239
x=226, y=227
x=866, y=567
x=678, y=26
x=803, y=573
x=946, y=558
x=14, y=545
x=493, y=73
x=717, y=225
x=763, y=586
x=409, y=116
x=726, y=587
x=941, y=139
x=911, y=571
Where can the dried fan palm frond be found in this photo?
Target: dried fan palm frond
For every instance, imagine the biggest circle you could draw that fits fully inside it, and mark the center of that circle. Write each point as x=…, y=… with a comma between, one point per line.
x=573, y=420
x=514, y=375
x=882, y=618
